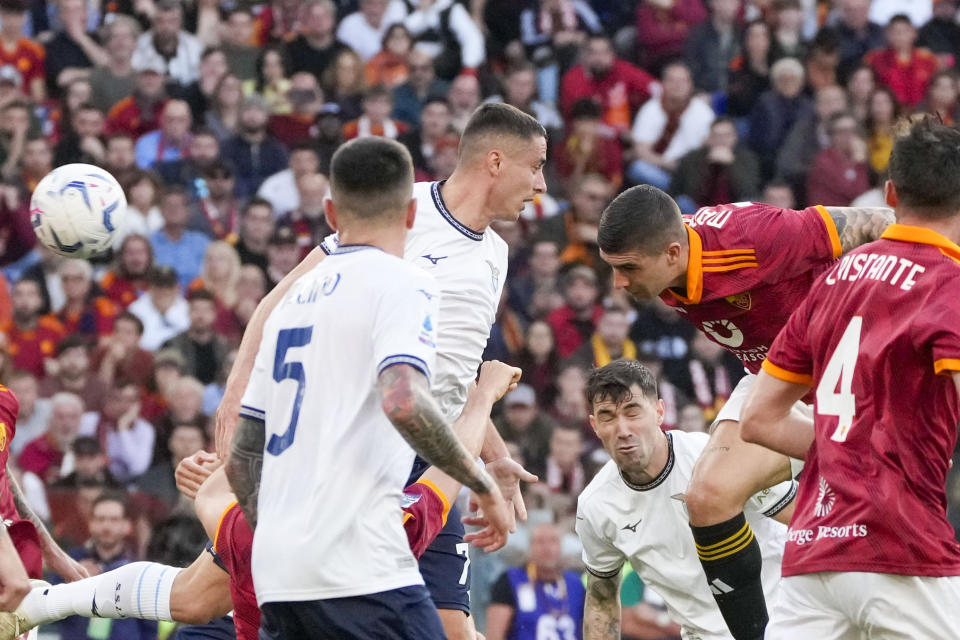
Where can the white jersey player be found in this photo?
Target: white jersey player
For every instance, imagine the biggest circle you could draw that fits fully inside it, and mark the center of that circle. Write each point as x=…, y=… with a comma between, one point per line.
x=338, y=389
x=633, y=511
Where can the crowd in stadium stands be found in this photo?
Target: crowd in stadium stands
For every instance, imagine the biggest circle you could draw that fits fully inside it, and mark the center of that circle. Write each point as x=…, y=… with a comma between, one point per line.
x=219, y=119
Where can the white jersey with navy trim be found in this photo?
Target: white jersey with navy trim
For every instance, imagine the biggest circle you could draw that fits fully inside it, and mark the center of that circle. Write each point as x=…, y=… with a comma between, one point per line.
x=648, y=526
x=470, y=269
x=330, y=523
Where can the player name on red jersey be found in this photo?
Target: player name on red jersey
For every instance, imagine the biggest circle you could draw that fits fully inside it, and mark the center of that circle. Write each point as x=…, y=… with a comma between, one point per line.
x=894, y=270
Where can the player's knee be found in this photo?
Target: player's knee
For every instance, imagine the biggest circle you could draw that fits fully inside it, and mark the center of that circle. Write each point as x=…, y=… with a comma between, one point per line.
x=187, y=605
x=709, y=502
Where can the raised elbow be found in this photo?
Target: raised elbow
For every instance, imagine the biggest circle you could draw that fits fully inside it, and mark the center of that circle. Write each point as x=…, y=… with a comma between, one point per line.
x=751, y=424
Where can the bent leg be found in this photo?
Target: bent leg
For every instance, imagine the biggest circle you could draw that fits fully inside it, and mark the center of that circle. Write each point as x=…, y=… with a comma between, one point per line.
x=201, y=592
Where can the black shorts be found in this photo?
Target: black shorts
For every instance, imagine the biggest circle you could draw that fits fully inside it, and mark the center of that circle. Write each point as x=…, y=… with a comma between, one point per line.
x=219, y=629
x=399, y=614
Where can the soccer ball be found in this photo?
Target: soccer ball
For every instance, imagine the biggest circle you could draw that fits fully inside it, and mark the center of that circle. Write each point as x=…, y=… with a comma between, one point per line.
x=76, y=209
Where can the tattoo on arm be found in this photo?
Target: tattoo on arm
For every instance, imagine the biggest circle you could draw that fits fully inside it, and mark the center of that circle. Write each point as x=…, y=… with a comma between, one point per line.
x=245, y=465
x=860, y=225
x=601, y=611
x=406, y=399
x=26, y=511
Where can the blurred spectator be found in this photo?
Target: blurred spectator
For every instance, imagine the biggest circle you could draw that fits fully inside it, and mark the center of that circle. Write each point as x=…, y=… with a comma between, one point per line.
x=787, y=25
x=749, y=74
x=251, y=287
x=712, y=45
x=119, y=356
x=306, y=100
x=860, y=87
x=216, y=211
x=389, y=66
x=941, y=34
x=31, y=336
x=272, y=79
x=464, y=98
x=280, y=189
x=542, y=595
x=162, y=310
x=410, y=98
x=576, y=229
x=256, y=227
x=202, y=151
x=16, y=233
x=158, y=482
x=520, y=91
x=84, y=312
x=237, y=44
x=203, y=350
x=617, y=85
x=143, y=217
x=89, y=466
x=591, y=147
x=523, y=424
x=37, y=161
x=840, y=172
x=668, y=127
x=855, y=33
x=541, y=276
x=561, y=473
x=199, y=94
x=76, y=93
x=174, y=244
x=364, y=30
x=115, y=80
x=170, y=141
x=610, y=342
x=253, y=151
x=903, y=67
x=125, y=436
x=942, y=97
x=881, y=11
x=119, y=158
x=159, y=393
x=435, y=122
x=329, y=134
x=823, y=61
x=283, y=254
x=44, y=455
x=34, y=411
x=712, y=373
x=539, y=361
x=45, y=274
x=576, y=320
x=662, y=334
x=882, y=115
x=85, y=141
x=720, y=171
x=570, y=405
x=315, y=46
x=71, y=372
x=129, y=278
x=692, y=419
x=663, y=27
x=447, y=33
x=779, y=194
x=220, y=276
x=213, y=392
x=376, y=120
x=24, y=55
x=308, y=221
x=139, y=113
x=71, y=52
x=14, y=127
x=169, y=45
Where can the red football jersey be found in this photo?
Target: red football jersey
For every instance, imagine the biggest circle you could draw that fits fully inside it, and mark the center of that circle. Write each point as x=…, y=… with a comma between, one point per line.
x=22, y=532
x=425, y=511
x=874, y=334
x=750, y=266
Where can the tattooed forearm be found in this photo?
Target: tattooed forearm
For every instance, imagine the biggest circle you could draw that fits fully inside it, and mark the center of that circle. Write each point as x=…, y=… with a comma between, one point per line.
x=406, y=399
x=601, y=610
x=26, y=512
x=860, y=225
x=245, y=464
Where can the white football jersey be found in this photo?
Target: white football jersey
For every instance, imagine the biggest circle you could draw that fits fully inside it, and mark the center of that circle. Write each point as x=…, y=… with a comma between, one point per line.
x=330, y=522
x=470, y=269
x=648, y=526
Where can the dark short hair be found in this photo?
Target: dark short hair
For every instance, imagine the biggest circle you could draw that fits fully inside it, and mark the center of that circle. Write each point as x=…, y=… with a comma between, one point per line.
x=723, y=120
x=378, y=91
x=209, y=51
x=164, y=276
x=900, y=17
x=201, y=294
x=613, y=382
x=586, y=108
x=86, y=446
x=925, y=167
x=113, y=495
x=303, y=145
x=371, y=177
x=497, y=118
x=129, y=317
x=206, y=132
x=173, y=190
x=642, y=218
x=73, y=341
x=256, y=201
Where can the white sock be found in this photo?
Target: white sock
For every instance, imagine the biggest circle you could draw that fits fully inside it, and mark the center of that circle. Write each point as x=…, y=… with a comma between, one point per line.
x=137, y=590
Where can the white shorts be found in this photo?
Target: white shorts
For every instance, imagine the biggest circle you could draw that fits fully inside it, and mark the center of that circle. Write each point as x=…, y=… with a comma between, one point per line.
x=865, y=606
x=734, y=405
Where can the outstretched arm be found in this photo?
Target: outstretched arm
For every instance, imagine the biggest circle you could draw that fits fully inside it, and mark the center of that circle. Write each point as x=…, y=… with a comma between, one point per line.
x=229, y=408
x=768, y=418
x=859, y=225
x=601, y=609
x=245, y=465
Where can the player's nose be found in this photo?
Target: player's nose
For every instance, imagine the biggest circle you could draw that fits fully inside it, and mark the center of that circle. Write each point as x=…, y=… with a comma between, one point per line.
x=540, y=184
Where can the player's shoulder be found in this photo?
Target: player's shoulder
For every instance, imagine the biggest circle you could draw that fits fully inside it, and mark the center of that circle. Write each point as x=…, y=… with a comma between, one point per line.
x=598, y=489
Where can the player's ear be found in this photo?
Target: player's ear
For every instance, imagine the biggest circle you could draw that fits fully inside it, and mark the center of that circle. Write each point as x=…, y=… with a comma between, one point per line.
x=890, y=194
x=494, y=162
x=661, y=408
x=593, y=423
x=411, y=213
x=330, y=212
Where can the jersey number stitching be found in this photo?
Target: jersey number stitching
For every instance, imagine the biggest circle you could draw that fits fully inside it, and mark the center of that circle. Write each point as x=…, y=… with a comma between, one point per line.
x=840, y=369
x=283, y=370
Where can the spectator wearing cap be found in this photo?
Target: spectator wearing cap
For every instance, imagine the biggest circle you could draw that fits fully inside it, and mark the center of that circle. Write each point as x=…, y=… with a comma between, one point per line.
x=308, y=221
x=281, y=189
x=125, y=436
x=115, y=80
x=315, y=46
x=592, y=146
x=20, y=54
x=139, y=113
x=84, y=311
x=71, y=52
x=84, y=142
x=446, y=32
x=119, y=356
x=203, y=151
x=162, y=310
x=203, y=350
x=902, y=66
x=363, y=30
x=254, y=152
x=216, y=211
x=129, y=278
x=941, y=34
x=575, y=322
x=170, y=141
x=174, y=244
x=376, y=120
x=306, y=100
x=610, y=342
x=167, y=43
x=410, y=97
x=71, y=371
x=525, y=425
x=44, y=455
x=256, y=228
x=283, y=254
x=31, y=336
x=329, y=134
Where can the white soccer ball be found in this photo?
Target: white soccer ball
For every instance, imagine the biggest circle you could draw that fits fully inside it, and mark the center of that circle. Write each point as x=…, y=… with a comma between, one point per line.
x=77, y=209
